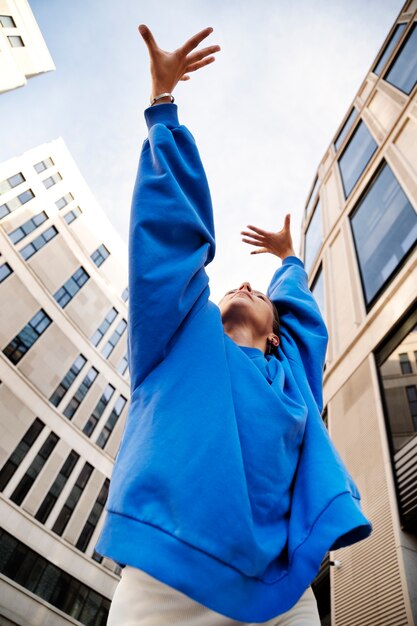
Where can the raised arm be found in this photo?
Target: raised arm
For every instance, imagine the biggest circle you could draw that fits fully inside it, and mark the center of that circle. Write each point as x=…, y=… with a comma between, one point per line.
x=303, y=333
x=171, y=236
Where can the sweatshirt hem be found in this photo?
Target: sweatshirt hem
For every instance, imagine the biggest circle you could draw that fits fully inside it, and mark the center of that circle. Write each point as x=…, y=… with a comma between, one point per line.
x=220, y=586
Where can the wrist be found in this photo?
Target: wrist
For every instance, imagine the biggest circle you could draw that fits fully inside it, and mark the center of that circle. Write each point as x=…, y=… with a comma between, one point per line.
x=289, y=252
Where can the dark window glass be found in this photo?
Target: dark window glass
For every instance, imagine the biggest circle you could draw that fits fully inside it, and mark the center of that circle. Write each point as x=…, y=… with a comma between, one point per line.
x=11, y=182
x=20, y=452
x=52, y=180
x=38, y=243
x=80, y=394
x=317, y=289
x=100, y=255
x=34, y=469
x=114, y=339
x=411, y=391
x=68, y=379
x=313, y=238
x=43, y=165
x=26, y=196
x=15, y=41
x=312, y=196
x=35, y=573
x=395, y=37
x=18, y=347
x=62, y=202
x=405, y=363
x=356, y=156
x=93, y=518
x=385, y=228
x=123, y=365
x=7, y=21
x=125, y=294
x=71, y=287
x=111, y=422
x=72, y=215
x=5, y=271
x=72, y=500
x=99, y=410
x=402, y=72
x=25, y=229
x=57, y=486
x=346, y=128
x=104, y=326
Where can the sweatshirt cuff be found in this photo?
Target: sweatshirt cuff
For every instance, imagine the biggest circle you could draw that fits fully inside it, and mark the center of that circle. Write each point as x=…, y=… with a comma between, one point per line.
x=166, y=113
x=293, y=260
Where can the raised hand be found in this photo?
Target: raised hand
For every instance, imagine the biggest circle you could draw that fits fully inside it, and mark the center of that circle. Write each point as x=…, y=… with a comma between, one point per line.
x=279, y=244
x=167, y=68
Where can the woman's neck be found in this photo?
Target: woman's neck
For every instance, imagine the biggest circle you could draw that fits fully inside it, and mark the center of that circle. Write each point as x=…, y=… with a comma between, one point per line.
x=243, y=335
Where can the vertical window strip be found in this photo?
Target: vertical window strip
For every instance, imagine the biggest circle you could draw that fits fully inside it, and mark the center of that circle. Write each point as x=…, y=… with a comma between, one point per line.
x=18, y=347
x=38, y=243
x=104, y=326
x=93, y=518
x=34, y=469
x=81, y=393
x=72, y=500
x=111, y=422
x=66, y=293
x=56, y=488
x=114, y=339
x=19, y=453
x=68, y=379
x=405, y=363
x=99, y=410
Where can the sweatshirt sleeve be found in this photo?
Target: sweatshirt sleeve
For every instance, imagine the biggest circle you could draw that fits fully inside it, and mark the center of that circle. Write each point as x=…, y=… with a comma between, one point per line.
x=303, y=332
x=171, y=240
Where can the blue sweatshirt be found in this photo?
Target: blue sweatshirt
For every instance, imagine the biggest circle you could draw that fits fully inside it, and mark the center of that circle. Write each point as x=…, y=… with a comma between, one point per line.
x=226, y=484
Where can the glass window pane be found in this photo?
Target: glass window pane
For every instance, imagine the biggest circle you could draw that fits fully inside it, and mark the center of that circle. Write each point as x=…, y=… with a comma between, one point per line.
x=385, y=228
x=346, y=128
x=17, y=179
x=313, y=239
x=317, y=289
x=389, y=48
x=403, y=70
x=5, y=271
x=7, y=21
x=16, y=41
x=356, y=156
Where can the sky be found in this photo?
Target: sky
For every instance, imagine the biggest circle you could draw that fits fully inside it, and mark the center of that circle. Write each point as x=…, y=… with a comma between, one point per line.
x=263, y=114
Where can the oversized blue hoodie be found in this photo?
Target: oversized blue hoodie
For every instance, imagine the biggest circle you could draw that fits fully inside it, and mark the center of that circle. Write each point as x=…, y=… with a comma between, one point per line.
x=226, y=485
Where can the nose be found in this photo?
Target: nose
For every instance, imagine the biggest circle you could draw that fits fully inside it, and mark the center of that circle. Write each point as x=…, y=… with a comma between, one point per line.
x=245, y=286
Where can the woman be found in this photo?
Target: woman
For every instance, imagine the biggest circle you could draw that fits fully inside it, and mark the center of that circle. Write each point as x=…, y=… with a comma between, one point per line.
x=227, y=491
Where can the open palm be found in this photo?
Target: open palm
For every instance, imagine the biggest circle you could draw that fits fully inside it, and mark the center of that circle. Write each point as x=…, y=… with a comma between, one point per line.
x=279, y=243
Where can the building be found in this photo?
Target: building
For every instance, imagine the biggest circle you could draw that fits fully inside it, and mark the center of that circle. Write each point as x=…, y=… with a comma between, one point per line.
x=23, y=52
x=64, y=389
x=359, y=246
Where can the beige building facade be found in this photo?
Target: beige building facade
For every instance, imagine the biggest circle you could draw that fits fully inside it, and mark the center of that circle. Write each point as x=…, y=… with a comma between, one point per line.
x=359, y=246
x=64, y=389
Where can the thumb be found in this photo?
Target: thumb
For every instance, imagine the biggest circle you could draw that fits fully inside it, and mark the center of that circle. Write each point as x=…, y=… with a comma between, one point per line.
x=287, y=221
x=147, y=37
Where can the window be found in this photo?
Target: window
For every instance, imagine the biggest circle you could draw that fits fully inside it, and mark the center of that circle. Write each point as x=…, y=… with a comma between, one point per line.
x=43, y=165
x=104, y=326
x=73, y=499
x=57, y=486
x=52, y=180
x=405, y=363
x=400, y=398
x=402, y=73
x=68, y=379
x=11, y=182
x=93, y=518
x=16, y=41
x=384, y=227
x=123, y=365
x=62, y=202
x=99, y=410
x=39, y=576
x=19, y=453
x=18, y=347
x=100, y=255
x=80, y=394
x=38, y=243
x=346, y=128
x=313, y=238
x=34, y=469
x=111, y=422
x=114, y=339
x=18, y=234
x=312, y=196
x=66, y=293
x=125, y=294
x=355, y=157
x=5, y=271
x=72, y=215
x=16, y=202
x=395, y=37
x=7, y=21
x=317, y=289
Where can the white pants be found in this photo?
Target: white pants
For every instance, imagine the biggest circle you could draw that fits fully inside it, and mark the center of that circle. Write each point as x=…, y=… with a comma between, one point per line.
x=141, y=600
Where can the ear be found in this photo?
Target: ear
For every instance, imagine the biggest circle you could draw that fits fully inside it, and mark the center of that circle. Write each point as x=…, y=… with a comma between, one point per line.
x=274, y=340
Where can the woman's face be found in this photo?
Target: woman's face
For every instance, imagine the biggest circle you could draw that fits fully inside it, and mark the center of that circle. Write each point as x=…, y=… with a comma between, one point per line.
x=249, y=306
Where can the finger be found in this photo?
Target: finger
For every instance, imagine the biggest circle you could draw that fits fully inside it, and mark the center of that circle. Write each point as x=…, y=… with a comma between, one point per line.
x=287, y=221
x=254, y=236
x=257, y=230
x=253, y=242
x=147, y=37
x=195, y=40
x=260, y=251
x=197, y=56
x=185, y=77
x=196, y=66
